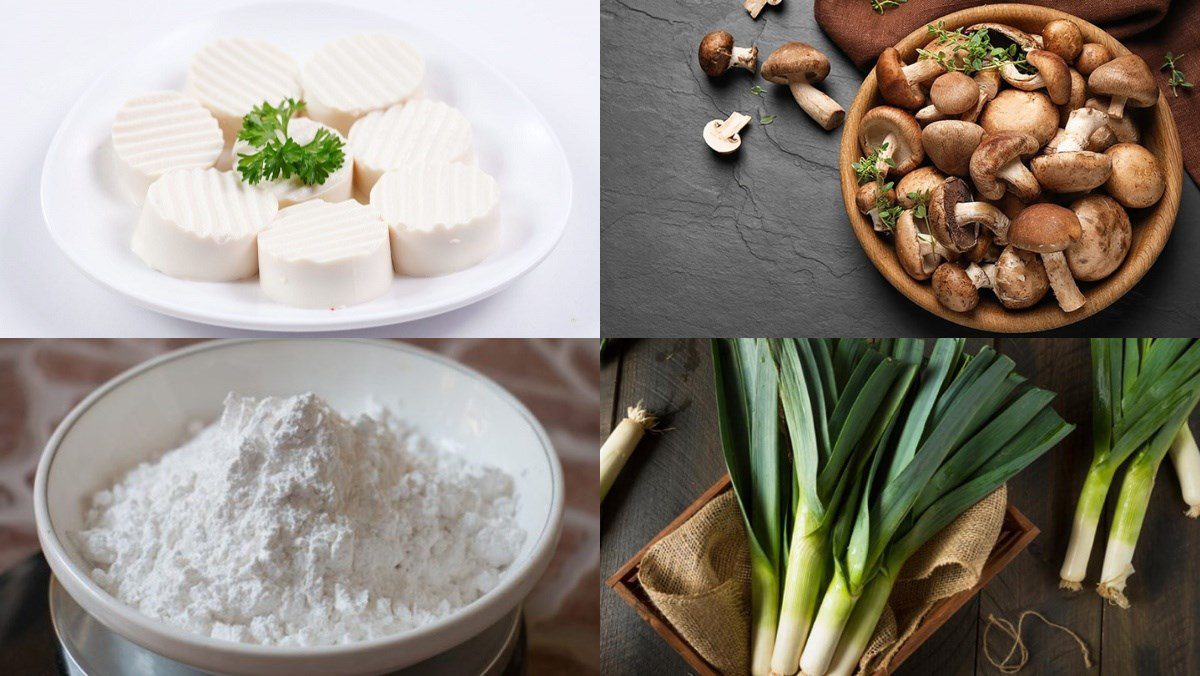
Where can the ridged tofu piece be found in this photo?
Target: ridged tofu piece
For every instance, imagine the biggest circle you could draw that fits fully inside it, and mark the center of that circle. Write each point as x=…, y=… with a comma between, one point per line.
x=414, y=134
x=232, y=76
x=355, y=75
x=443, y=217
x=337, y=187
x=160, y=131
x=325, y=255
x=202, y=224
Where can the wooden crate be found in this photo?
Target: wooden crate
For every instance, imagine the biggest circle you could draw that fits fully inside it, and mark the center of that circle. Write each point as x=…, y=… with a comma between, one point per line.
x=1015, y=535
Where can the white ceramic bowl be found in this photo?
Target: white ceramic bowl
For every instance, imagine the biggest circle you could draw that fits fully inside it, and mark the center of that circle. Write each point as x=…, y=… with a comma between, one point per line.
x=144, y=411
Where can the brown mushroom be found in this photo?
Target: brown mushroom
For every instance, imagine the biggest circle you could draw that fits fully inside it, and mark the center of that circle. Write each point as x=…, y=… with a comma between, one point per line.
x=915, y=254
x=1048, y=229
x=1137, y=179
x=899, y=84
x=954, y=218
x=1062, y=37
x=1091, y=56
x=1052, y=74
x=954, y=93
x=1128, y=80
x=1077, y=134
x=1020, y=279
x=1008, y=33
x=723, y=135
x=988, y=82
x=921, y=180
x=1026, y=112
x=1124, y=129
x=868, y=201
x=949, y=144
x=996, y=166
x=982, y=249
x=1102, y=139
x=1077, y=99
x=718, y=54
x=897, y=136
x=799, y=66
x=957, y=289
x=1104, y=239
x=754, y=7
x=1072, y=171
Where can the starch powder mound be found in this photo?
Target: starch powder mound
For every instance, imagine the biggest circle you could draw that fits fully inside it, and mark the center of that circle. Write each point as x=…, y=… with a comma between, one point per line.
x=285, y=523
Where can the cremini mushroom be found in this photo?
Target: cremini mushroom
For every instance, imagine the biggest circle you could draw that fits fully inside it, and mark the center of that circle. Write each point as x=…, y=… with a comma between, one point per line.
x=1137, y=179
x=868, y=201
x=1026, y=112
x=1071, y=171
x=957, y=289
x=1008, y=33
x=954, y=93
x=723, y=135
x=1077, y=99
x=901, y=134
x=1091, y=56
x=950, y=143
x=1062, y=37
x=799, y=66
x=1020, y=279
x=954, y=219
x=1128, y=80
x=718, y=54
x=1102, y=139
x=754, y=7
x=921, y=180
x=1048, y=229
x=1124, y=129
x=913, y=251
x=1052, y=74
x=900, y=84
x=997, y=167
x=988, y=82
x=1104, y=239
x=1077, y=134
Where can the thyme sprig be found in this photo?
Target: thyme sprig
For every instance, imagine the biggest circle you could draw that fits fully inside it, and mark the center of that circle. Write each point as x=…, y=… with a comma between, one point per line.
x=971, y=53
x=1177, y=78
x=888, y=211
x=866, y=168
x=880, y=6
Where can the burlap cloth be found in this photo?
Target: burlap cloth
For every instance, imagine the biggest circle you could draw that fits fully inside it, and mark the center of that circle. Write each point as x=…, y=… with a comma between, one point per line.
x=1150, y=28
x=699, y=579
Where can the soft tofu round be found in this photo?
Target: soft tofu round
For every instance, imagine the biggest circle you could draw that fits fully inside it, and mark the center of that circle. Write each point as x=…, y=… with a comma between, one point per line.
x=202, y=224
x=337, y=187
x=443, y=218
x=325, y=255
x=232, y=76
x=416, y=133
x=355, y=75
x=160, y=131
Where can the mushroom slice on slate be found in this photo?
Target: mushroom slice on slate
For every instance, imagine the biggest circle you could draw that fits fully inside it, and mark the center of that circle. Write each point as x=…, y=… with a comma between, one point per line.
x=996, y=167
x=723, y=135
x=718, y=54
x=1092, y=56
x=1137, y=177
x=901, y=134
x=954, y=219
x=900, y=84
x=799, y=66
x=1062, y=37
x=1048, y=229
x=1105, y=238
x=1128, y=80
x=1052, y=74
x=1027, y=112
x=957, y=289
x=950, y=143
x=1020, y=279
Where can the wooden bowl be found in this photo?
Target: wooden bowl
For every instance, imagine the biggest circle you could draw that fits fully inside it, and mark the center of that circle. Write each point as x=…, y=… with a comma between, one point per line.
x=1151, y=227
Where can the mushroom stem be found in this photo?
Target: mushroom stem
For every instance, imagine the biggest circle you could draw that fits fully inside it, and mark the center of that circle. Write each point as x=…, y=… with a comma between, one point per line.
x=744, y=57
x=929, y=114
x=818, y=105
x=733, y=124
x=985, y=214
x=982, y=276
x=1018, y=176
x=886, y=149
x=1082, y=123
x=923, y=70
x=755, y=6
x=1116, y=107
x=1066, y=292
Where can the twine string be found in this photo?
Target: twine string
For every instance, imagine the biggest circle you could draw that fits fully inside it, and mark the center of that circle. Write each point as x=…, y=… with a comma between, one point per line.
x=1018, y=648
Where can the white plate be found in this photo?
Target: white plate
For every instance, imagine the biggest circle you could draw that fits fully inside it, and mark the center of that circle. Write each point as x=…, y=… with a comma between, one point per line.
x=91, y=221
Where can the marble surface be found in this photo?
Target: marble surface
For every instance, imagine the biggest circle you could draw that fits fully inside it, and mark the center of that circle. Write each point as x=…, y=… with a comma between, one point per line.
x=40, y=381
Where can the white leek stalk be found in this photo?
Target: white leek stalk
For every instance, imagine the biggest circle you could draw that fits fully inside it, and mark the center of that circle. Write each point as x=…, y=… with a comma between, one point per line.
x=620, y=444
x=1083, y=529
x=1126, y=526
x=1185, y=455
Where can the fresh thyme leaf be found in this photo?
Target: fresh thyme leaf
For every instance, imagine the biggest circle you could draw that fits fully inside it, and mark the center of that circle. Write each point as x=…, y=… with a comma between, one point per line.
x=767, y=119
x=1177, y=77
x=278, y=156
x=888, y=211
x=757, y=90
x=866, y=168
x=971, y=53
x=920, y=200
x=881, y=5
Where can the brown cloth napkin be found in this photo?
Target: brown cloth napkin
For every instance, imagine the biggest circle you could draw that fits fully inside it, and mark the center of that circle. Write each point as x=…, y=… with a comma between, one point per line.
x=1150, y=28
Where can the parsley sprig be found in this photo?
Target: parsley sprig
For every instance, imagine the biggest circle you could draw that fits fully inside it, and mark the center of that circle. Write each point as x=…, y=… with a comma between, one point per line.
x=1177, y=78
x=278, y=155
x=867, y=169
x=971, y=53
x=882, y=5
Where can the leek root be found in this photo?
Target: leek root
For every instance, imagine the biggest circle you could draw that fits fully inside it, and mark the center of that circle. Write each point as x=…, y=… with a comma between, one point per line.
x=620, y=444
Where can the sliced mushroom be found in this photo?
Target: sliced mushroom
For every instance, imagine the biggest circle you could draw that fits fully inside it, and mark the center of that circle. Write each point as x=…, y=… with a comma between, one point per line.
x=1071, y=171
x=1062, y=37
x=997, y=167
x=1020, y=279
x=1128, y=80
x=950, y=143
x=899, y=84
x=1048, y=229
x=1137, y=179
x=723, y=135
x=799, y=66
x=718, y=54
x=1092, y=56
x=1104, y=240
x=954, y=219
x=1026, y=112
x=954, y=93
x=868, y=198
x=901, y=134
x=1052, y=74
x=957, y=289
x=754, y=7
x=921, y=180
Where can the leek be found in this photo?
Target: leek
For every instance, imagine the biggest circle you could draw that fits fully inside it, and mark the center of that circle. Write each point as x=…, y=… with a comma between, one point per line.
x=621, y=444
x=1185, y=455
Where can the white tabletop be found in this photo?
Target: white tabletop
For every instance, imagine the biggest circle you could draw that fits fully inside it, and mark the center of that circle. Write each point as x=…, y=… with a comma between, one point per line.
x=53, y=48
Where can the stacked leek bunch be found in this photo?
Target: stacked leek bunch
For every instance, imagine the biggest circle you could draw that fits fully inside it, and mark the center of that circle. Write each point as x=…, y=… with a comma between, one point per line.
x=846, y=456
x=1143, y=390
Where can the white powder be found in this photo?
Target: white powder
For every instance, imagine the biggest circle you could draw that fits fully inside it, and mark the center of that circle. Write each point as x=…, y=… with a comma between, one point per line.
x=285, y=523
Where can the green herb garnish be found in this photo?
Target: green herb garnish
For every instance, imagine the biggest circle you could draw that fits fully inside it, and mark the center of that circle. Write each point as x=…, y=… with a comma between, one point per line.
x=972, y=53
x=277, y=155
x=920, y=200
x=767, y=119
x=881, y=5
x=757, y=90
x=867, y=167
x=888, y=211
x=1177, y=79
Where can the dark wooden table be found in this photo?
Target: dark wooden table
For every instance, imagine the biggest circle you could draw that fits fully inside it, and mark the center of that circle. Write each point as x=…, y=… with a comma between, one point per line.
x=1158, y=635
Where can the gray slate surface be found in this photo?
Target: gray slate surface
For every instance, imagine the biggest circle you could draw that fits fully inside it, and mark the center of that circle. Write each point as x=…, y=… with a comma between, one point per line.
x=696, y=244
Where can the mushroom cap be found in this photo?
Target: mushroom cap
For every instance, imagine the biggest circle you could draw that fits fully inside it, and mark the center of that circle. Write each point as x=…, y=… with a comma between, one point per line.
x=1056, y=75
x=981, y=248
x=1021, y=279
x=942, y=219
x=1010, y=33
x=954, y=93
x=990, y=158
x=1076, y=171
x=1102, y=139
x=868, y=196
x=989, y=81
x=795, y=62
x=1092, y=56
x=908, y=247
x=716, y=50
x=950, y=143
x=1137, y=179
x=1127, y=76
x=1105, y=239
x=1062, y=37
x=1076, y=100
x=1027, y=112
x=881, y=121
x=954, y=289
x=1044, y=228
x=919, y=180
x=894, y=85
